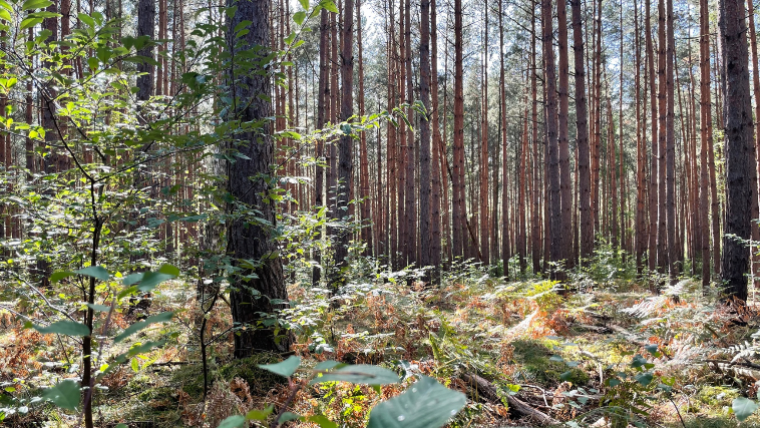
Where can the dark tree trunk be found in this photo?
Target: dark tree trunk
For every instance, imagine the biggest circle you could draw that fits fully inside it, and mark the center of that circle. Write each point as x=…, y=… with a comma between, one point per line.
x=146, y=18
x=550, y=117
x=425, y=184
x=345, y=157
x=738, y=145
x=249, y=239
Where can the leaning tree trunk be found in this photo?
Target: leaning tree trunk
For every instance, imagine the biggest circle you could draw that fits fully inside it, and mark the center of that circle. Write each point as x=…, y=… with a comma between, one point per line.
x=738, y=145
x=253, y=289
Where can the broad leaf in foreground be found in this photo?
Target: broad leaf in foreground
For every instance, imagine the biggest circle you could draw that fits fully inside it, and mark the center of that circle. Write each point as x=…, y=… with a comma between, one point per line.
x=743, y=407
x=425, y=404
x=65, y=395
x=360, y=373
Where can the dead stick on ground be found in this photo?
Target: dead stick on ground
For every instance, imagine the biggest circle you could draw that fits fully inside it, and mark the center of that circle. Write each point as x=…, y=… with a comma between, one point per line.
x=486, y=390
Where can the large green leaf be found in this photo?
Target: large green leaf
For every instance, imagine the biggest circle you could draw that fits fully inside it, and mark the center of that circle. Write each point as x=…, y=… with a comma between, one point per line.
x=361, y=373
x=743, y=407
x=134, y=328
x=98, y=272
x=233, y=422
x=65, y=327
x=65, y=395
x=284, y=368
x=425, y=404
x=36, y=4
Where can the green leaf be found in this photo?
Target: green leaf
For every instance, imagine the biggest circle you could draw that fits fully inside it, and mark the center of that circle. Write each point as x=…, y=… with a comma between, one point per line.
x=425, y=404
x=644, y=379
x=94, y=271
x=87, y=20
x=652, y=349
x=134, y=328
x=287, y=417
x=327, y=365
x=4, y=4
x=132, y=279
x=743, y=407
x=284, y=368
x=5, y=15
x=329, y=5
x=613, y=382
x=299, y=17
x=65, y=395
x=29, y=22
x=93, y=63
x=259, y=415
x=321, y=420
x=151, y=280
x=35, y=4
x=65, y=327
x=361, y=373
x=233, y=422
x=57, y=276
x=169, y=270
x=638, y=361
x=121, y=426
x=99, y=308
x=304, y=4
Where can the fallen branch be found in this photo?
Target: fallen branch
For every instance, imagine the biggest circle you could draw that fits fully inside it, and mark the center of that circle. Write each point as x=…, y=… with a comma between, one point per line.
x=485, y=389
x=593, y=328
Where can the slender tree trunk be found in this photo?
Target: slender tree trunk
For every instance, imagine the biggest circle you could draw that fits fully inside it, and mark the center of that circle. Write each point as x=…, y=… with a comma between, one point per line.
x=484, y=244
x=436, y=161
x=505, y=251
x=653, y=174
x=459, y=212
x=425, y=182
x=671, y=147
x=566, y=194
x=550, y=116
x=705, y=110
x=581, y=121
x=323, y=112
x=346, y=162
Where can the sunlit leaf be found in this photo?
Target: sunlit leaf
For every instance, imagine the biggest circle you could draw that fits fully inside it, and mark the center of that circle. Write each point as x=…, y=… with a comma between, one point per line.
x=65, y=327
x=425, y=404
x=284, y=368
x=65, y=395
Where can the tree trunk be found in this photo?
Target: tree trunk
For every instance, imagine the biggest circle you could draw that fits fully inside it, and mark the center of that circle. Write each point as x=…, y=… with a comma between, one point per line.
x=550, y=126
x=425, y=182
x=438, y=152
x=653, y=175
x=146, y=17
x=566, y=195
x=705, y=110
x=581, y=121
x=323, y=112
x=246, y=240
x=738, y=146
x=673, y=248
x=459, y=213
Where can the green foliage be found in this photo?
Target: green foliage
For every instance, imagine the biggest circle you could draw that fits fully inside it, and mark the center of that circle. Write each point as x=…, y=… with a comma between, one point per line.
x=538, y=362
x=426, y=403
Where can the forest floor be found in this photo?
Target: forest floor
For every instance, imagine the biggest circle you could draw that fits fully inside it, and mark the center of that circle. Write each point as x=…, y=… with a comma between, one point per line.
x=527, y=354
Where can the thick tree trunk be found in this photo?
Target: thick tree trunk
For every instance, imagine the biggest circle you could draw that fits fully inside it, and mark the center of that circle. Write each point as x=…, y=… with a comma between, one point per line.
x=249, y=239
x=738, y=146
